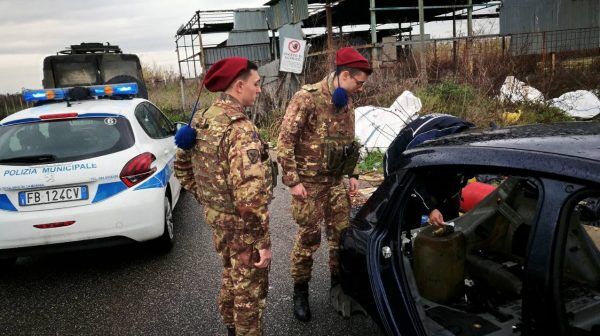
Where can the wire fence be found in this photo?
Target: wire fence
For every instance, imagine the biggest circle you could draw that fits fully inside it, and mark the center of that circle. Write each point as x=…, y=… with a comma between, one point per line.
x=480, y=55
x=553, y=60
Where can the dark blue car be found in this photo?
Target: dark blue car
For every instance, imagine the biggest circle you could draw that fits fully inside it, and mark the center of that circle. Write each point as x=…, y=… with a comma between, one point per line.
x=524, y=261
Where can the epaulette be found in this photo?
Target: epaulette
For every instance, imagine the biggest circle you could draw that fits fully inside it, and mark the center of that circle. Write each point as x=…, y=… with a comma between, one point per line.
x=311, y=87
x=234, y=115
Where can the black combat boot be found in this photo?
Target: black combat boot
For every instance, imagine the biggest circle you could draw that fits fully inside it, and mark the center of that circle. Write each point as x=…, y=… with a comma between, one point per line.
x=230, y=331
x=301, y=308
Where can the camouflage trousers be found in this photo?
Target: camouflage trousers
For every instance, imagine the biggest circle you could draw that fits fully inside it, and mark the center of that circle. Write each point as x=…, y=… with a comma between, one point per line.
x=243, y=294
x=328, y=203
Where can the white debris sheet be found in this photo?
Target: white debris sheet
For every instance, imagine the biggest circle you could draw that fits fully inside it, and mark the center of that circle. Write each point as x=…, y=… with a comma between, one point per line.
x=376, y=127
x=578, y=104
x=515, y=91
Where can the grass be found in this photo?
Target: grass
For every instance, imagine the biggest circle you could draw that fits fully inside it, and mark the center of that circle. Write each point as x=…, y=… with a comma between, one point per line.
x=373, y=161
x=464, y=101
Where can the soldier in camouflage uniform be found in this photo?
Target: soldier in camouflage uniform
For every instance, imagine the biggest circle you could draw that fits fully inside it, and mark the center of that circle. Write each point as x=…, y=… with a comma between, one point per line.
x=229, y=171
x=316, y=148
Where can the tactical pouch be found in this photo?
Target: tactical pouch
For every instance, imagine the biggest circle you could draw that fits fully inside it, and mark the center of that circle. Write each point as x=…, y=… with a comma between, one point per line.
x=351, y=156
x=272, y=165
x=341, y=160
x=334, y=157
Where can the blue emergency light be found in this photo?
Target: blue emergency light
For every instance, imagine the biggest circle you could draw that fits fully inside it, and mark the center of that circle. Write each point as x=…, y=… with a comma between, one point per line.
x=39, y=95
x=113, y=89
x=125, y=89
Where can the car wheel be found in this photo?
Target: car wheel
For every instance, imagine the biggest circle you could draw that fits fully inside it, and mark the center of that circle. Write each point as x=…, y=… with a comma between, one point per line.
x=166, y=241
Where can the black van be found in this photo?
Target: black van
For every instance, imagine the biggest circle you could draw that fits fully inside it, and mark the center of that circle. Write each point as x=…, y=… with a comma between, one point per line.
x=93, y=64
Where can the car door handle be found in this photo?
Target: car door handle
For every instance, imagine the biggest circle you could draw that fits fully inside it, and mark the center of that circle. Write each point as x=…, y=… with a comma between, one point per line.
x=386, y=251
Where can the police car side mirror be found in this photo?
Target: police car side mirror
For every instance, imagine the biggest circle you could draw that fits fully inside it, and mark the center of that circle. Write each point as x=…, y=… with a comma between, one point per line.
x=178, y=126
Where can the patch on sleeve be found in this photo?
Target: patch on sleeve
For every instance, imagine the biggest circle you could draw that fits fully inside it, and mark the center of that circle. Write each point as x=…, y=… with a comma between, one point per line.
x=253, y=155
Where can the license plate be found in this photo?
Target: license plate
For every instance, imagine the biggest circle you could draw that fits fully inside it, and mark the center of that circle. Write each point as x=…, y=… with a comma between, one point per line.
x=54, y=195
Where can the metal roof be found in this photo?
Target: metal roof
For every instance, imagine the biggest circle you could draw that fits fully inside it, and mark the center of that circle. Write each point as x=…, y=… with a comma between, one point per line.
x=356, y=12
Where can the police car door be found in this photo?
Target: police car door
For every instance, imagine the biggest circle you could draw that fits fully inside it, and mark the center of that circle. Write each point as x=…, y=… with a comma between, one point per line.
x=162, y=131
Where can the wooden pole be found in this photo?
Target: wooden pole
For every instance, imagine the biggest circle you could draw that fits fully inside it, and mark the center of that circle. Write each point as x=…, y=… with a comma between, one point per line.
x=180, y=78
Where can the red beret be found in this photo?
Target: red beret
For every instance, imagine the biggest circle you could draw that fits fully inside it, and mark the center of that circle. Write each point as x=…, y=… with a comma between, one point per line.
x=221, y=74
x=351, y=58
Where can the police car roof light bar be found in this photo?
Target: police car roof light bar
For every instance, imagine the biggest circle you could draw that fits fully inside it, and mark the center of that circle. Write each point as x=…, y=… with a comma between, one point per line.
x=124, y=89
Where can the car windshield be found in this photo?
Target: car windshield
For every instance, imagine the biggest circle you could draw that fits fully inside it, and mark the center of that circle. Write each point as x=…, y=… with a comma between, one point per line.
x=63, y=140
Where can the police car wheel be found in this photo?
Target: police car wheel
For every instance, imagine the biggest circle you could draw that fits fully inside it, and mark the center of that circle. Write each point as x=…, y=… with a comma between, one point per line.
x=166, y=241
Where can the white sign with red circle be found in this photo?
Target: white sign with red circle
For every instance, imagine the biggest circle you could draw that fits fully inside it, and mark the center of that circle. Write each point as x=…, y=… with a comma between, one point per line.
x=292, y=59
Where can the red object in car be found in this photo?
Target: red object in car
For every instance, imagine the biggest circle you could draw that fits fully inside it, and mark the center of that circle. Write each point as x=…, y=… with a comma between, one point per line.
x=473, y=193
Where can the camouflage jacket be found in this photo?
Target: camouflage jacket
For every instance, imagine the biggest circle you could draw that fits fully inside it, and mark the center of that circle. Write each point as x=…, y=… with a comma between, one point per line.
x=227, y=169
x=310, y=127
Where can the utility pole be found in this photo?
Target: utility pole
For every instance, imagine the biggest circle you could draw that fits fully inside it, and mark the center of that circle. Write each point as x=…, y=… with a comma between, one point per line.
x=422, y=44
x=374, y=55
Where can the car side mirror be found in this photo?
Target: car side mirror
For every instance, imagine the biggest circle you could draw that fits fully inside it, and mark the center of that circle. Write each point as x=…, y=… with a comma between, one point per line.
x=179, y=125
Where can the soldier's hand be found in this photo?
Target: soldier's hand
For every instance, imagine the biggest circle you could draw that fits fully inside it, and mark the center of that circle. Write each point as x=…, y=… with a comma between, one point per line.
x=436, y=218
x=353, y=184
x=265, y=258
x=299, y=191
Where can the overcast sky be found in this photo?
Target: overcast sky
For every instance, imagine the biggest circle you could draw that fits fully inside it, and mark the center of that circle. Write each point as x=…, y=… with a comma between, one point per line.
x=33, y=29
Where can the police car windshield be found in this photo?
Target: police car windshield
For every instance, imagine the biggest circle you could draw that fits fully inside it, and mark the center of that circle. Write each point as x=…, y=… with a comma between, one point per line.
x=63, y=140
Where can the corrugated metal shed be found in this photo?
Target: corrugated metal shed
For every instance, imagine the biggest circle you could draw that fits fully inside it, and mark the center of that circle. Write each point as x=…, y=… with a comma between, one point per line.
x=300, y=10
x=249, y=27
x=246, y=38
x=278, y=14
x=525, y=16
x=283, y=12
x=250, y=19
x=567, y=18
x=257, y=53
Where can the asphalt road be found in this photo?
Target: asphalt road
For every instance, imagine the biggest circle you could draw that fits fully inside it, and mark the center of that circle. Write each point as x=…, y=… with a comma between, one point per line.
x=135, y=290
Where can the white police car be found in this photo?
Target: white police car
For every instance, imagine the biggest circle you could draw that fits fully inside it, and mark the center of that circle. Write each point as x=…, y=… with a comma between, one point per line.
x=86, y=173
